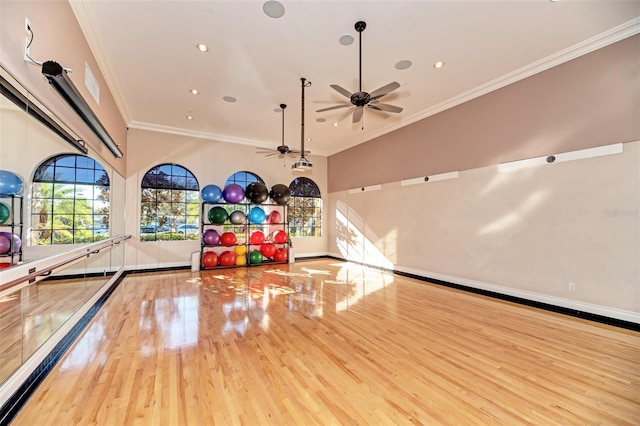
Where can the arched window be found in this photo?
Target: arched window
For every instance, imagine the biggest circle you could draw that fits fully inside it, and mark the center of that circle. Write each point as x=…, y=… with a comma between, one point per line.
x=305, y=208
x=169, y=204
x=243, y=179
x=69, y=201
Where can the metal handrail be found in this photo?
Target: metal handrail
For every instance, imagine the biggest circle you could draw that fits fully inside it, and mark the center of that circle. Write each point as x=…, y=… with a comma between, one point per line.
x=34, y=272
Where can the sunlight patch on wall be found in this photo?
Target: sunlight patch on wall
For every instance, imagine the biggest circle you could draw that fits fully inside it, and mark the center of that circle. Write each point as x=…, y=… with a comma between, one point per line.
x=354, y=239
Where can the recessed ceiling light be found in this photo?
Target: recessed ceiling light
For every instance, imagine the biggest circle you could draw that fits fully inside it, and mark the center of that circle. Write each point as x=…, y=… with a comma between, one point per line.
x=202, y=47
x=438, y=65
x=403, y=65
x=346, y=40
x=321, y=120
x=189, y=117
x=194, y=91
x=273, y=9
x=335, y=124
x=229, y=99
x=308, y=139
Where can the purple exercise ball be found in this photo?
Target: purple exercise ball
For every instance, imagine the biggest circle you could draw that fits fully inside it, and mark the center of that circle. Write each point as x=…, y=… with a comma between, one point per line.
x=211, y=237
x=8, y=236
x=5, y=244
x=233, y=193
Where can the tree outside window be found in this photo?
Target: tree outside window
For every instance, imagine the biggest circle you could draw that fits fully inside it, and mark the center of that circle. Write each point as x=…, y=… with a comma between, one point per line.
x=169, y=204
x=305, y=208
x=69, y=201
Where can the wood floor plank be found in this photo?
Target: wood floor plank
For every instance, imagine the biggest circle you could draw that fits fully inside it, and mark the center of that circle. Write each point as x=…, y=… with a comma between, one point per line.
x=327, y=342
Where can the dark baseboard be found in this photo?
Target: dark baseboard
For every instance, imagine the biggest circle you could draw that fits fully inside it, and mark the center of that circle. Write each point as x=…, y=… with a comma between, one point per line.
x=519, y=300
x=13, y=405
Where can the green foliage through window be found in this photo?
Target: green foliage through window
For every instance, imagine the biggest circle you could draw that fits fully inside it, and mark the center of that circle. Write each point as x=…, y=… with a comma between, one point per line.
x=69, y=201
x=305, y=208
x=169, y=204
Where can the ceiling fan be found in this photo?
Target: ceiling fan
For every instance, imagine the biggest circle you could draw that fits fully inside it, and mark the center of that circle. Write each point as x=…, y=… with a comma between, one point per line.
x=362, y=99
x=282, y=151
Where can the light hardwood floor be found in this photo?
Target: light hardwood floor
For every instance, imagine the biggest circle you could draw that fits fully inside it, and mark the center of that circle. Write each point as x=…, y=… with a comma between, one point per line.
x=327, y=342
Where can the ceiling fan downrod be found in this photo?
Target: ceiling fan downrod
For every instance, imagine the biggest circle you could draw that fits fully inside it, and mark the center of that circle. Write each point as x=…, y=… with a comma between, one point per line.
x=360, y=26
x=305, y=83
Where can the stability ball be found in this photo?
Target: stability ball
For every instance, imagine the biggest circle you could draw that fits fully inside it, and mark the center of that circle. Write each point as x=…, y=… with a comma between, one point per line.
x=10, y=183
x=211, y=194
x=268, y=250
x=280, y=194
x=210, y=259
x=255, y=257
x=217, y=215
x=257, y=192
x=228, y=239
x=274, y=217
x=257, y=215
x=240, y=250
x=211, y=237
x=256, y=238
x=11, y=237
x=280, y=255
x=4, y=265
x=237, y=217
x=4, y=213
x=233, y=193
x=280, y=237
x=5, y=244
x=227, y=258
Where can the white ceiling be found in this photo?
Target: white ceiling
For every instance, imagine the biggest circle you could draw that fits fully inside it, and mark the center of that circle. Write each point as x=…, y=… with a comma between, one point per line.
x=146, y=49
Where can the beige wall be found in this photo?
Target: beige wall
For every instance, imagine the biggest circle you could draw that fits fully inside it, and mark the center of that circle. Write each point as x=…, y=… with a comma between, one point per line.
x=58, y=37
x=212, y=163
x=589, y=101
x=526, y=232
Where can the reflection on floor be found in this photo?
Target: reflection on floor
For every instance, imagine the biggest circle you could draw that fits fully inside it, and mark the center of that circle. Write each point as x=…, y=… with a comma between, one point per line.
x=31, y=315
x=327, y=342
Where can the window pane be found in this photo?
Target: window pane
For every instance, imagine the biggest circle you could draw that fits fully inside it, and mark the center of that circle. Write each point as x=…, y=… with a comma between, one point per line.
x=65, y=174
x=66, y=161
x=84, y=163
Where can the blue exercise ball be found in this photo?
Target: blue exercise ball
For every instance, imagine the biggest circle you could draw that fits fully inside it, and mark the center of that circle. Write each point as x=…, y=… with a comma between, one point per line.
x=257, y=215
x=10, y=183
x=211, y=194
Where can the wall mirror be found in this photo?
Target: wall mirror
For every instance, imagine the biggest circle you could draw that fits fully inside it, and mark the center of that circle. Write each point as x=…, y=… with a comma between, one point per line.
x=71, y=197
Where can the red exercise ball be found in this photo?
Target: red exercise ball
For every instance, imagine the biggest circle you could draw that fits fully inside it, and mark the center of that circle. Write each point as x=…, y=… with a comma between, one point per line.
x=257, y=237
x=275, y=217
x=4, y=265
x=228, y=239
x=280, y=237
x=267, y=250
x=210, y=259
x=280, y=255
x=227, y=258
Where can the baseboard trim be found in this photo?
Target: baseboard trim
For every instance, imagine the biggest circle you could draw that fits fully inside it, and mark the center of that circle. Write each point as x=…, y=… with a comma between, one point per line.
x=601, y=314
x=27, y=379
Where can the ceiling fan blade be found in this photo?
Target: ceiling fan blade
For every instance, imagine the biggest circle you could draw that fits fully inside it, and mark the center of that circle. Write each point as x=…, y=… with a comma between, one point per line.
x=378, y=111
x=385, y=107
x=334, y=107
x=384, y=90
x=357, y=114
x=264, y=151
x=343, y=92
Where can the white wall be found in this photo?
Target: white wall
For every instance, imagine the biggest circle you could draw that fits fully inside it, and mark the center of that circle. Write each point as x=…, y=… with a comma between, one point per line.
x=527, y=233
x=211, y=162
